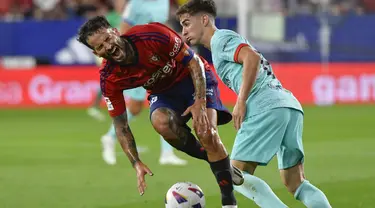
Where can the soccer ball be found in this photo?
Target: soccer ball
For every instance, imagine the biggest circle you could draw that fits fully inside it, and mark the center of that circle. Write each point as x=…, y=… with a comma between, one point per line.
x=185, y=195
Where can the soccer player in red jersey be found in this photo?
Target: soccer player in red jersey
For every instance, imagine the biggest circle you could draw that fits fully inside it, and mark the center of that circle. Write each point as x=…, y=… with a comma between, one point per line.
x=181, y=85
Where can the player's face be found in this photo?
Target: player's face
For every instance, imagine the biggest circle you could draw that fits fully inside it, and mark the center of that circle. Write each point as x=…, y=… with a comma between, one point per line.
x=108, y=44
x=192, y=28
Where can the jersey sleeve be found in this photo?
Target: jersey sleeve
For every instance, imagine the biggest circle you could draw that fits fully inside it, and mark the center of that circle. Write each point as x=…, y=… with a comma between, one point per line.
x=113, y=97
x=227, y=46
x=171, y=43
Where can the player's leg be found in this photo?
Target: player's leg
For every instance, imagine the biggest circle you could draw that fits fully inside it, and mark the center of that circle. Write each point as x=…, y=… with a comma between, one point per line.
x=172, y=128
x=211, y=141
x=255, y=188
x=257, y=141
x=94, y=109
x=291, y=157
x=218, y=159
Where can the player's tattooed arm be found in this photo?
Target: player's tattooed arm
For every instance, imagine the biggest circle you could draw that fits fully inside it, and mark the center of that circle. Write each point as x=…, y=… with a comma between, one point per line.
x=125, y=137
x=197, y=72
x=201, y=122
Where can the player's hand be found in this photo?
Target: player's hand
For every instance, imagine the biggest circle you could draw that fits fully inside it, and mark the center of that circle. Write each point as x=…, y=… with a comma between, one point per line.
x=238, y=113
x=198, y=111
x=142, y=170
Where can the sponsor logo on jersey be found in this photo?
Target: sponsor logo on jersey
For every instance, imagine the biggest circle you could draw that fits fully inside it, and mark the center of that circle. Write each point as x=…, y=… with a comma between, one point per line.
x=176, y=47
x=160, y=74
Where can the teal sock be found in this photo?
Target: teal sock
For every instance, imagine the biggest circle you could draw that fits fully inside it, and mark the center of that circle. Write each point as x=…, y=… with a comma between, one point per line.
x=111, y=131
x=259, y=191
x=311, y=196
x=165, y=146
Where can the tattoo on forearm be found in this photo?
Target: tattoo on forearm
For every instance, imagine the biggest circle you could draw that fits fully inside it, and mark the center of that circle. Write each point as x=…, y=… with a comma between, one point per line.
x=125, y=137
x=198, y=76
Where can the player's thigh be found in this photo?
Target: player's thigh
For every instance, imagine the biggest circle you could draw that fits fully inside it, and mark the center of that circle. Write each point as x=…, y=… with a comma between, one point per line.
x=291, y=150
x=212, y=128
x=212, y=117
x=260, y=136
x=165, y=113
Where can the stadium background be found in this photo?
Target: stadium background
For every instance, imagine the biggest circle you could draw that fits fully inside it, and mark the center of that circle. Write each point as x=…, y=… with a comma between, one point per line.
x=322, y=50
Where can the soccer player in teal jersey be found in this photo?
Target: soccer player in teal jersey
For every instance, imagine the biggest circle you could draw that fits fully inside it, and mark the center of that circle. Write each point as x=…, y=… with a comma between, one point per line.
x=267, y=117
x=136, y=12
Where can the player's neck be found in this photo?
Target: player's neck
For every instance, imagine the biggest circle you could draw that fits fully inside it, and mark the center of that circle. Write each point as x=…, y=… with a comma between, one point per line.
x=206, y=39
x=130, y=52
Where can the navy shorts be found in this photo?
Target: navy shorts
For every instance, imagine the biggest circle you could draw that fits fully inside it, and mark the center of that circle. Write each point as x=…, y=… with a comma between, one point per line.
x=181, y=95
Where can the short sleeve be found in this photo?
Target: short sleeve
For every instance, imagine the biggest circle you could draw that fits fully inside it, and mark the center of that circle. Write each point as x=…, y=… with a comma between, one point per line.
x=113, y=97
x=227, y=46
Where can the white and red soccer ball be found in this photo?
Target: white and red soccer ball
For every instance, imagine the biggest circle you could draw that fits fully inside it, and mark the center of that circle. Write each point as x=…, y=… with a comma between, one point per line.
x=185, y=195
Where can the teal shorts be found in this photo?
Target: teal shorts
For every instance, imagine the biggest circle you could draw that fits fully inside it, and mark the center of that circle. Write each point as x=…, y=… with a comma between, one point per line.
x=277, y=131
x=138, y=93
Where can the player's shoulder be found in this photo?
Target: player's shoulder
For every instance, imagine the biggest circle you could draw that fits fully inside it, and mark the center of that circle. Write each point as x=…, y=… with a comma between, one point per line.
x=224, y=33
x=223, y=37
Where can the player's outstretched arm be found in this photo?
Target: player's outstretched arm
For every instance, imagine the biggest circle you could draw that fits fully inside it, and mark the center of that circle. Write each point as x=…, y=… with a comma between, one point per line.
x=127, y=142
x=125, y=137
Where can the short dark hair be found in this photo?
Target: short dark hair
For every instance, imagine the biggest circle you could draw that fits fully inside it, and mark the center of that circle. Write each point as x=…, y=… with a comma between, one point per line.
x=90, y=27
x=193, y=7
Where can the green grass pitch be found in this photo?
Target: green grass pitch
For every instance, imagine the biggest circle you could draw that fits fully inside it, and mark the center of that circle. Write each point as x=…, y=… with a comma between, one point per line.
x=51, y=159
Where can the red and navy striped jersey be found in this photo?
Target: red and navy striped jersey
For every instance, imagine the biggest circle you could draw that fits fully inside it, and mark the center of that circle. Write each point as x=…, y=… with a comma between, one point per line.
x=161, y=63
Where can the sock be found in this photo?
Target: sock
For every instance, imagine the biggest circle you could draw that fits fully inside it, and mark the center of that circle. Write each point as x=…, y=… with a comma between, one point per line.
x=259, y=191
x=311, y=196
x=190, y=146
x=221, y=170
x=165, y=146
x=112, y=132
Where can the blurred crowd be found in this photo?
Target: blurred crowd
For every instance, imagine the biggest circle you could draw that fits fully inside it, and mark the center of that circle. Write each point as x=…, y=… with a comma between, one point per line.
x=336, y=7
x=14, y=10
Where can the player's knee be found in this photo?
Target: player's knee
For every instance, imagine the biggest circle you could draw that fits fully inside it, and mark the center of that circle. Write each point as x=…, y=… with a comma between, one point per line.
x=136, y=111
x=135, y=107
x=209, y=140
x=160, y=122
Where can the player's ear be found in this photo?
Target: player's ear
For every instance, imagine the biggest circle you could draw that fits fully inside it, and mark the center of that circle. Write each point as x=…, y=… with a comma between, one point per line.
x=205, y=20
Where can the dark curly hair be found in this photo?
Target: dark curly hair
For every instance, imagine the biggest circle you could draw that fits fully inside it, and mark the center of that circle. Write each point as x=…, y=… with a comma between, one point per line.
x=91, y=27
x=193, y=7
